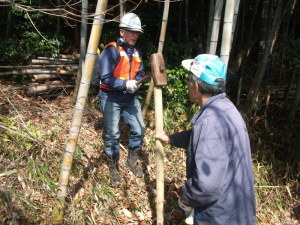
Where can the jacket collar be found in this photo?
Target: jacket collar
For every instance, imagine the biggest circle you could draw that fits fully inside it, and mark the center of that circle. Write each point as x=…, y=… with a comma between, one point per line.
x=205, y=105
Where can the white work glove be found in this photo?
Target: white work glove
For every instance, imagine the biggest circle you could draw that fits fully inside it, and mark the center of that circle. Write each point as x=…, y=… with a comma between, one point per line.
x=189, y=212
x=131, y=86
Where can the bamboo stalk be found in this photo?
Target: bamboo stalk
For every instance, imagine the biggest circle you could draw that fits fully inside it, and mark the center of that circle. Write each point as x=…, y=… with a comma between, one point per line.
x=227, y=31
x=58, y=213
x=216, y=27
x=160, y=50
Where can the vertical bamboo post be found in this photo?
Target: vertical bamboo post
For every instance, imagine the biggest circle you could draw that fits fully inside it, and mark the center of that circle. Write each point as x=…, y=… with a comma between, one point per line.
x=66, y=165
x=227, y=31
x=216, y=27
x=83, y=37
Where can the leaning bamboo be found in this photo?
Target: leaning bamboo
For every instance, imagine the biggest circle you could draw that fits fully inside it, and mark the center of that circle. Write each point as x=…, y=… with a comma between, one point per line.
x=160, y=50
x=227, y=31
x=78, y=110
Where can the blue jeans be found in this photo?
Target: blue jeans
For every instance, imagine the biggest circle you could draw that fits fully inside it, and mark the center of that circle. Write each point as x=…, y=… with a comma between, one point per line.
x=131, y=113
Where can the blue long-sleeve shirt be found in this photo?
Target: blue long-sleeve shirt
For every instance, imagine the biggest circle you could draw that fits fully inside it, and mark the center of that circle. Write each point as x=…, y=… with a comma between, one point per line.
x=219, y=181
x=107, y=63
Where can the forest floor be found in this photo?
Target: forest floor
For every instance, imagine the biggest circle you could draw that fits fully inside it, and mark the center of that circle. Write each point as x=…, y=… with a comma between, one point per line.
x=34, y=132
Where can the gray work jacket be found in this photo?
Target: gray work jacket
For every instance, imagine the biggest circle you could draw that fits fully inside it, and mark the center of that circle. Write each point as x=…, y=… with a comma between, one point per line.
x=219, y=181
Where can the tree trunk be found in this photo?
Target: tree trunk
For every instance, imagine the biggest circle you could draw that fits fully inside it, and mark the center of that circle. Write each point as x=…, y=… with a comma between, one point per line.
x=256, y=83
x=227, y=31
x=263, y=30
x=179, y=23
x=8, y=24
x=247, y=48
x=235, y=16
x=58, y=20
x=295, y=103
x=66, y=165
x=216, y=27
x=186, y=4
x=83, y=39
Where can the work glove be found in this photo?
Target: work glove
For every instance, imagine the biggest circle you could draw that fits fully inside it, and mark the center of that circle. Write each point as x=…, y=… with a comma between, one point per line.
x=131, y=86
x=189, y=212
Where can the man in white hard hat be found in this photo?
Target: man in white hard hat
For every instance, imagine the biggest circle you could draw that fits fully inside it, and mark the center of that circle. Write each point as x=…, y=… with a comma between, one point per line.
x=219, y=183
x=120, y=66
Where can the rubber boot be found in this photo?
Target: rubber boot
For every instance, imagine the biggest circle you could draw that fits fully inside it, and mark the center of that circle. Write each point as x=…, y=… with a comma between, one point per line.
x=113, y=166
x=131, y=163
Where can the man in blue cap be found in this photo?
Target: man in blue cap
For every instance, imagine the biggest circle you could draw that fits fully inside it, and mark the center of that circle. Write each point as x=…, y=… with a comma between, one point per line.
x=219, y=185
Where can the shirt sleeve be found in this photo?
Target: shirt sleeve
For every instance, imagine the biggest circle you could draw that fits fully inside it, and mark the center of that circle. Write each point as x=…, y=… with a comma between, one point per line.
x=181, y=139
x=209, y=163
x=141, y=72
x=107, y=62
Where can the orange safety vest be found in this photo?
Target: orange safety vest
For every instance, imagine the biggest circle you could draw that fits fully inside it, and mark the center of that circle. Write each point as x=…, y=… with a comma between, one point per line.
x=125, y=70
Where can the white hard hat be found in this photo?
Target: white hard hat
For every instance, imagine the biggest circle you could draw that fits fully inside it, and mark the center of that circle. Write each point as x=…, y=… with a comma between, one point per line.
x=132, y=22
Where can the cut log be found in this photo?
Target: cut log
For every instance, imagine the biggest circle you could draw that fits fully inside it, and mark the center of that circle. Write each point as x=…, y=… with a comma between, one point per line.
x=32, y=90
x=46, y=71
x=73, y=56
x=52, y=61
x=68, y=66
x=44, y=77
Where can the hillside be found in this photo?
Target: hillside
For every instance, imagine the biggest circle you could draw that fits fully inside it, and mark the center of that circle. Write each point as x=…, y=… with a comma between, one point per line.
x=33, y=134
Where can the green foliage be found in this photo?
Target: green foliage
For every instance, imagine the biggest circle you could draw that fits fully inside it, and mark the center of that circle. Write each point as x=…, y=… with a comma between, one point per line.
x=176, y=99
x=29, y=46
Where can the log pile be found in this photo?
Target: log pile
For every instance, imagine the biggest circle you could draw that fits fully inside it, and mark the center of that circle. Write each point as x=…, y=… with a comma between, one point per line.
x=47, y=75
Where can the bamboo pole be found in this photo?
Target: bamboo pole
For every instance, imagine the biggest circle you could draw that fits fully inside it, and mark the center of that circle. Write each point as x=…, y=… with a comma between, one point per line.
x=235, y=18
x=83, y=37
x=160, y=50
x=58, y=213
x=210, y=23
x=216, y=27
x=227, y=31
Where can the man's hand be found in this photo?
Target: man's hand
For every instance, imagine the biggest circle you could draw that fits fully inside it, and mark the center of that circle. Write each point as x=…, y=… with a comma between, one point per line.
x=163, y=138
x=131, y=86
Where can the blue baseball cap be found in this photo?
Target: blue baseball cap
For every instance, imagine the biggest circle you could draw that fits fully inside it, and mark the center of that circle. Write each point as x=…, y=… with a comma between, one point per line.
x=207, y=67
